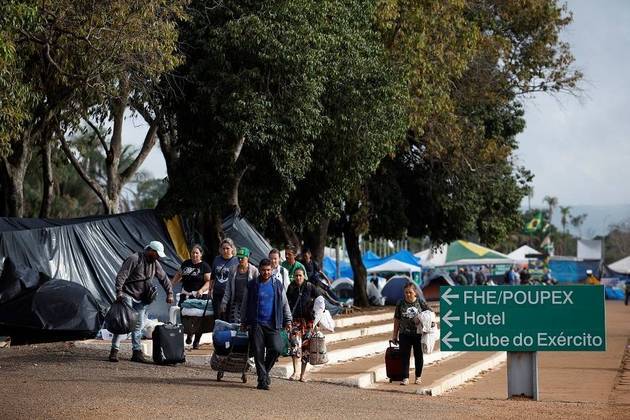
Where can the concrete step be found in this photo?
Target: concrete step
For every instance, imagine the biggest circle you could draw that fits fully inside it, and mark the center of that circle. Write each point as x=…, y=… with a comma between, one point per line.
x=365, y=372
x=447, y=374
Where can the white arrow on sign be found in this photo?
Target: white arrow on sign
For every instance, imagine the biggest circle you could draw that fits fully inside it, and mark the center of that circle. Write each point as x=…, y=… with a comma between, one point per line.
x=447, y=297
x=447, y=318
x=447, y=339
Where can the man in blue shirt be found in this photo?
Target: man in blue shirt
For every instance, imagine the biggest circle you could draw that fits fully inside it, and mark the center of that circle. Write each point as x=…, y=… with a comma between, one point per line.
x=265, y=310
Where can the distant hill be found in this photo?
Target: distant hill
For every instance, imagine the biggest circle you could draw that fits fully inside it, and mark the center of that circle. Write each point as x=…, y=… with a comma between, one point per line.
x=598, y=220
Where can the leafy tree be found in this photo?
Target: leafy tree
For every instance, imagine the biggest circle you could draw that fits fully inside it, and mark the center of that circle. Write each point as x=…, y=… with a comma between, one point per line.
x=253, y=82
x=577, y=221
x=78, y=57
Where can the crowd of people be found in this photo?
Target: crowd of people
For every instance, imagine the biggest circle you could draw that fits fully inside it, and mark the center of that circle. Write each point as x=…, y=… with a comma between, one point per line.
x=263, y=300
x=514, y=276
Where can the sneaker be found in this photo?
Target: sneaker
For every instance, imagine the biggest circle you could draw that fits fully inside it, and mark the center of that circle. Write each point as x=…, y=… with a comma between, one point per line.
x=113, y=355
x=195, y=345
x=188, y=339
x=138, y=356
x=418, y=381
x=405, y=381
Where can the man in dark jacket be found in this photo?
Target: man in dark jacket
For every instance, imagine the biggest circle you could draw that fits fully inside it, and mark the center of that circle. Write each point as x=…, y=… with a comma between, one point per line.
x=264, y=312
x=133, y=284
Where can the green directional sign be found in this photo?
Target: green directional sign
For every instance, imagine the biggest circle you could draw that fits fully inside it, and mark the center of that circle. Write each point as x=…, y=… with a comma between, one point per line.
x=522, y=318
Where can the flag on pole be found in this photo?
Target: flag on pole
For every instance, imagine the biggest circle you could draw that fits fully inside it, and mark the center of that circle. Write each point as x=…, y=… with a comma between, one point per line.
x=535, y=224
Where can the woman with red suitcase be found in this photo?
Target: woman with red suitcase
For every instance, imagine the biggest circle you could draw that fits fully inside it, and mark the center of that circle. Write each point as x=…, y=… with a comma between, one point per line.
x=406, y=320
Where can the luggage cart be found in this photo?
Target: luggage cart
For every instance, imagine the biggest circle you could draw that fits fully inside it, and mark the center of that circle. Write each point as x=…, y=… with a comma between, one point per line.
x=235, y=362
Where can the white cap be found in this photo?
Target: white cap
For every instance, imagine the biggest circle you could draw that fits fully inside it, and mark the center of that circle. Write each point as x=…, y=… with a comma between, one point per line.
x=157, y=247
x=589, y=271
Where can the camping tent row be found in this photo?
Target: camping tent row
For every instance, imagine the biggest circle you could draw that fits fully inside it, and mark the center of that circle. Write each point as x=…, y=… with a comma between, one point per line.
x=402, y=261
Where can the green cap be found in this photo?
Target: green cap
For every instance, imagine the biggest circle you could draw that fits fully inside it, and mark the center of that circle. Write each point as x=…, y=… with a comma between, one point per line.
x=242, y=253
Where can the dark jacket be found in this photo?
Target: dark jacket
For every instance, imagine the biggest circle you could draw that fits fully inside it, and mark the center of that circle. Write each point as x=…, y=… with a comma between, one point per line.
x=301, y=300
x=134, y=277
x=249, y=308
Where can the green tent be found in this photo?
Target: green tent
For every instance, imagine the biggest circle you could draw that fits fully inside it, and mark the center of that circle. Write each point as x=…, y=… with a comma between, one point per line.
x=464, y=250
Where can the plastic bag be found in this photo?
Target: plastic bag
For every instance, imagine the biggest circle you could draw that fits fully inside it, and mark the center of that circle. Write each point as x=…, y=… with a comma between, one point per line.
x=429, y=339
x=322, y=316
x=427, y=321
x=220, y=325
x=149, y=326
x=121, y=318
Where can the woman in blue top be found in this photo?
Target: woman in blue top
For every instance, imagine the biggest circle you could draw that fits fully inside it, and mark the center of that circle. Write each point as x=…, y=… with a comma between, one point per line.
x=221, y=272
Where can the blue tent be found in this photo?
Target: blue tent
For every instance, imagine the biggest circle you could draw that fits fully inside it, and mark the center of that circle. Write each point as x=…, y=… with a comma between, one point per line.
x=393, y=289
x=330, y=268
x=402, y=255
x=369, y=255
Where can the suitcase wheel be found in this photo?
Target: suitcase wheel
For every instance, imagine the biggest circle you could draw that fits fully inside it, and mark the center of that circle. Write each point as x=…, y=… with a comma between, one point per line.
x=219, y=376
x=244, y=378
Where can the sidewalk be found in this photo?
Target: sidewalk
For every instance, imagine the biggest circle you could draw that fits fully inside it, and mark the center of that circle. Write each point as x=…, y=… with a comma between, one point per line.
x=571, y=376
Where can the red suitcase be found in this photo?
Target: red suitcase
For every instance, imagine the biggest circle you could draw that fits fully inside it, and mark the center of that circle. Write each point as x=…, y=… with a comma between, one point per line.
x=393, y=363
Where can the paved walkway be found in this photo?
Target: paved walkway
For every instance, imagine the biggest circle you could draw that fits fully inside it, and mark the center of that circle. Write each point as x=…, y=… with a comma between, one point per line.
x=573, y=376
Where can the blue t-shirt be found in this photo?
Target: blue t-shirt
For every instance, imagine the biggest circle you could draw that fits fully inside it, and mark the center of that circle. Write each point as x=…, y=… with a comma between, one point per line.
x=265, y=302
x=220, y=272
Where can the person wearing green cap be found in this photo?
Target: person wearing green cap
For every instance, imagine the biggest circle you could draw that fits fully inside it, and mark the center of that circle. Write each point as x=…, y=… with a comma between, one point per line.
x=238, y=277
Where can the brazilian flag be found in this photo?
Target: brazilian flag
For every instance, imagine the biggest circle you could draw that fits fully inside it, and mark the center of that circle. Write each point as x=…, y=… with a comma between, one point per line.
x=535, y=224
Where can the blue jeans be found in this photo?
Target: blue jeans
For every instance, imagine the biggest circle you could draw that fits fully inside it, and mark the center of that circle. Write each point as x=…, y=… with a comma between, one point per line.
x=136, y=335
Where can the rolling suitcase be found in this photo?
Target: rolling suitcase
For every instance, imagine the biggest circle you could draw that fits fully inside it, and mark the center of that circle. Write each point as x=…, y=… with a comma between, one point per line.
x=393, y=363
x=168, y=344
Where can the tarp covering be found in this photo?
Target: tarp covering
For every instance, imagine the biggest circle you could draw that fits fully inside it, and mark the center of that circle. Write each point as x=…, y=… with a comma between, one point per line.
x=243, y=234
x=432, y=283
x=432, y=257
x=88, y=251
x=47, y=309
x=330, y=268
x=572, y=270
x=369, y=255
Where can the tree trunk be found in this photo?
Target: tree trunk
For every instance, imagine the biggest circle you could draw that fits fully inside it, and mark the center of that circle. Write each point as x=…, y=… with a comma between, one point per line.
x=48, y=183
x=211, y=226
x=315, y=240
x=358, y=269
x=13, y=171
x=290, y=237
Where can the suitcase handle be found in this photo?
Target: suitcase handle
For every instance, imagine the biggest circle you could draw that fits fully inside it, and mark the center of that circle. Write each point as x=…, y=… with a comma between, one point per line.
x=394, y=343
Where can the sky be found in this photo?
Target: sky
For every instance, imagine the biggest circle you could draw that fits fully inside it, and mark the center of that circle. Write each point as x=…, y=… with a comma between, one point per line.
x=577, y=148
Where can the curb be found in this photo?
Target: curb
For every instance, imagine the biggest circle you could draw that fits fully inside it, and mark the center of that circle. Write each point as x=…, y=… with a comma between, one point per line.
x=461, y=376
x=379, y=373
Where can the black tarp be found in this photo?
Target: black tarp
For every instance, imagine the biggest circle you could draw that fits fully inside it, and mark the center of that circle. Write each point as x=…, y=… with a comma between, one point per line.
x=242, y=233
x=36, y=308
x=88, y=251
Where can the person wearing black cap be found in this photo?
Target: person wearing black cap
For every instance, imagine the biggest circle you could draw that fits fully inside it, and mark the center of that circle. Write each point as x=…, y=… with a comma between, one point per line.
x=133, y=284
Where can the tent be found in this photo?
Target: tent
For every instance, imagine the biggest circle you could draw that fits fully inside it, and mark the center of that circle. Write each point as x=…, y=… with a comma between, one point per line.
x=622, y=266
x=343, y=288
x=393, y=289
x=394, y=266
x=464, y=250
x=432, y=283
x=329, y=267
x=523, y=254
x=369, y=255
x=432, y=257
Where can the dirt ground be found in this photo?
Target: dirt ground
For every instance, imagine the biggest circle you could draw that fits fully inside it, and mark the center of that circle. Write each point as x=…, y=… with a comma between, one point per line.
x=60, y=381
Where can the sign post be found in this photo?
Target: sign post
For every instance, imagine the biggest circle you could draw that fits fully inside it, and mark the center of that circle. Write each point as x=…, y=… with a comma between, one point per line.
x=522, y=320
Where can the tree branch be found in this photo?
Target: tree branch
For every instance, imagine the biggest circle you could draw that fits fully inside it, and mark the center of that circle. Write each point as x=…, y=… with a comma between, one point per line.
x=98, y=134
x=147, y=145
x=98, y=190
